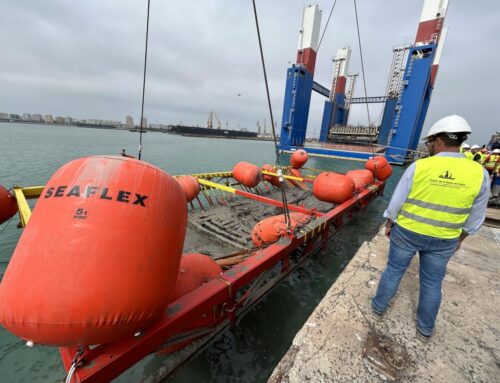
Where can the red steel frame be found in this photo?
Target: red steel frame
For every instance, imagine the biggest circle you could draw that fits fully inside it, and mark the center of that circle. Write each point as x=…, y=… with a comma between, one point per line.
x=105, y=362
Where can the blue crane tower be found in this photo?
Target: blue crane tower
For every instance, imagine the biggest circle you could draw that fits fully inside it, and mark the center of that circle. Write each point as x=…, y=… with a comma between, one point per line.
x=411, y=82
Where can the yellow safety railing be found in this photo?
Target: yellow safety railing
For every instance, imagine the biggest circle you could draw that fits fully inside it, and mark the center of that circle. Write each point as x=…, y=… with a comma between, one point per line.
x=22, y=195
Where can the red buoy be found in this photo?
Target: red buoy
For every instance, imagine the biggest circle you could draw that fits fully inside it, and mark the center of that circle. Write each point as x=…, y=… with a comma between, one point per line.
x=190, y=186
x=8, y=205
x=295, y=173
x=271, y=229
x=333, y=187
x=298, y=158
x=195, y=269
x=273, y=180
x=361, y=178
x=247, y=174
x=380, y=167
x=100, y=255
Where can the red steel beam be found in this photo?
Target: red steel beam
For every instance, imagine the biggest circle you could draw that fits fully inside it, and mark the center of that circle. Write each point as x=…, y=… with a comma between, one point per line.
x=106, y=362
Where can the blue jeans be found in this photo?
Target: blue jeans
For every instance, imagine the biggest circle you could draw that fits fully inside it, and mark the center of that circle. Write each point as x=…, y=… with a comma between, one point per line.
x=434, y=256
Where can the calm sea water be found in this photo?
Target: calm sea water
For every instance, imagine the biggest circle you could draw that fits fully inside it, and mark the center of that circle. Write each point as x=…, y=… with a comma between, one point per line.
x=29, y=154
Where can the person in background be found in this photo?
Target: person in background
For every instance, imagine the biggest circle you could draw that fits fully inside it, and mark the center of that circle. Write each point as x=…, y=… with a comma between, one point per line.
x=476, y=153
x=465, y=150
x=438, y=202
x=492, y=161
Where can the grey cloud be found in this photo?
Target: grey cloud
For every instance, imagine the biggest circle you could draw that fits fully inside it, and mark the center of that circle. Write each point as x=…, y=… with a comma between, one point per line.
x=85, y=58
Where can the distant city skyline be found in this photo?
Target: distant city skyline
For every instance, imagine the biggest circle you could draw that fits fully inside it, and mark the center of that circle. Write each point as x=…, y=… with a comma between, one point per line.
x=86, y=59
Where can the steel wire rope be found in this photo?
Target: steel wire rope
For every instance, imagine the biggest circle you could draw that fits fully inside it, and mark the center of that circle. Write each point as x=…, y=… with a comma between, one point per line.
x=144, y=83
x=282, y=184
x=363, y=72
x=326, y=25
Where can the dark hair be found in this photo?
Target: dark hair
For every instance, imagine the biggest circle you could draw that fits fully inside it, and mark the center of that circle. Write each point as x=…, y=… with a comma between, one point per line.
x=452, y=141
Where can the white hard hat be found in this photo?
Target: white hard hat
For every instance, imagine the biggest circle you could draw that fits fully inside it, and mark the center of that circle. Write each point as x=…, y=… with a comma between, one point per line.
x=475, y=147
x=450, y=124
x=496, y=151
x=465, y=145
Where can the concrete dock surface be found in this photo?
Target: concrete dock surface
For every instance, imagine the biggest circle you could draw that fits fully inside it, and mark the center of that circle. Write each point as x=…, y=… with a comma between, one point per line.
x=341, y=342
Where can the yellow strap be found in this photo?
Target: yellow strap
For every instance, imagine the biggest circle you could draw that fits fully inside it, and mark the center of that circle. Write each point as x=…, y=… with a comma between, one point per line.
x=284, y=176
x=216, y=185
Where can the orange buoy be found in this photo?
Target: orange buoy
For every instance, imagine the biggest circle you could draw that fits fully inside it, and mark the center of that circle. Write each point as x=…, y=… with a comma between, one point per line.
x=100, y=255
x=299, y=158
x=295, y=173
x=380, y=167
x=247, y=174
x=273, y=180
x=195, y=269
x=271, y=229
x=190, y=186
x=8, y=205
x=333, y=187
x=361, y=178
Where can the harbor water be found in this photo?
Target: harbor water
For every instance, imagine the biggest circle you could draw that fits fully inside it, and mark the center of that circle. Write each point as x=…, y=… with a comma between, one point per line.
x=246, y=353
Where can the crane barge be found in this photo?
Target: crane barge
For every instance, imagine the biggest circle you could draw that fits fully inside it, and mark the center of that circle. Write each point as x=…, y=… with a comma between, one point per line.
x=406, y=101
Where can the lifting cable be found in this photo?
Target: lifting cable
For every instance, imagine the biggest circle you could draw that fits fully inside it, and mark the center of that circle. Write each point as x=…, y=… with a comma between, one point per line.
x=363, y=71
x=282, y=183
x=326, y=26
x=144, y=83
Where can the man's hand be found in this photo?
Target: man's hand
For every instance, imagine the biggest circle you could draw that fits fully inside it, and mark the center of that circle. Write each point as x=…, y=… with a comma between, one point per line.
x=461, y=239
x=388, y=227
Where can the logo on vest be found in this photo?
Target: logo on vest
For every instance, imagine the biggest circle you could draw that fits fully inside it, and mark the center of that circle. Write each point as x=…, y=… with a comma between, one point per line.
x=447, y=175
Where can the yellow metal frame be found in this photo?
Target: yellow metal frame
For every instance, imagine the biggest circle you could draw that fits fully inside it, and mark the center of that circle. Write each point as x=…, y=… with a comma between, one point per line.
x=215, y=185
x=22, y=195
x=287, y=176
x=212, y=175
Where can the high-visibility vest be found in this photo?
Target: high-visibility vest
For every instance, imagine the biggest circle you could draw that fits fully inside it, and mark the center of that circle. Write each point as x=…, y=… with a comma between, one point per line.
x=468, y=154
x=491, y=161
x=441, y=197
x=478, y=157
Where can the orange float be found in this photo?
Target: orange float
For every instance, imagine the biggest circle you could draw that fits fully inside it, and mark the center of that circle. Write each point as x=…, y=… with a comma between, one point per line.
x=299, y=158
x=247, y=174
x=380, y=167
x=361, y=178
x=190, y=186
x=100, y=255
x=8, y=205
x=195, y=269
x=333, y=187
x=271, y=229
x=273, y=180
x=295, y=173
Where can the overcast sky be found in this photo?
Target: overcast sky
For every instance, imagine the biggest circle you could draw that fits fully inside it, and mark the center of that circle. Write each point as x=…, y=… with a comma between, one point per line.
x=85, y=59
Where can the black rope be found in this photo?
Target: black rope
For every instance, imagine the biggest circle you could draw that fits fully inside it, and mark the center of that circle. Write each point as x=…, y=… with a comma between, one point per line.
x=326, y=25
x=144, y=83
x=363, y=71
x=282, y=186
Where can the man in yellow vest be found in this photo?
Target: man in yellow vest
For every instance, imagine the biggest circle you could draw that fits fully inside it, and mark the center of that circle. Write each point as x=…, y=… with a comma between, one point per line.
x=492, y=161
x=438, y=201
x=477, y=155
x=465, y=149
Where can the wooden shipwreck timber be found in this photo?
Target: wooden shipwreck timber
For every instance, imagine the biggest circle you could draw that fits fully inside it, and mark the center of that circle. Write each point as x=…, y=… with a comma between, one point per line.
x=107, y=305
